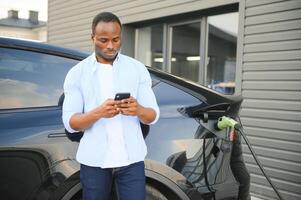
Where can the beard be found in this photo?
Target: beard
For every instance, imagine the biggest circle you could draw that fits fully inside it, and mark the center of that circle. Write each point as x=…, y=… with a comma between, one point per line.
x=107, y=55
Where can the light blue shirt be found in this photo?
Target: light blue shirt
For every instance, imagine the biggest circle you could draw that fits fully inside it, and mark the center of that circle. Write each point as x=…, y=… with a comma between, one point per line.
x=83, y=93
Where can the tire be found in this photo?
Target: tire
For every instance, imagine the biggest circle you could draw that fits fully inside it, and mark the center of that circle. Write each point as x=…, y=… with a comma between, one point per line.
x=153, y=194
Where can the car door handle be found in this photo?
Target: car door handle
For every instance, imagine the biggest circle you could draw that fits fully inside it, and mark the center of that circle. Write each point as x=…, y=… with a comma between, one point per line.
x=57, y=133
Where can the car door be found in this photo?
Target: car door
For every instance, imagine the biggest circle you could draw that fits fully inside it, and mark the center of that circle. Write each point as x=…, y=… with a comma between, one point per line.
x=31, y=84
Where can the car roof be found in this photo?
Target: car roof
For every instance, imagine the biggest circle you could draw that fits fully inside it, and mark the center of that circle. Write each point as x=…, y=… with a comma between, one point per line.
x=41, y=47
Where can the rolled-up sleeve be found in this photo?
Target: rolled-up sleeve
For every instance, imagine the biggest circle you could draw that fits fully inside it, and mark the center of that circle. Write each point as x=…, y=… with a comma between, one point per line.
x=73, y=102
x=146, y=96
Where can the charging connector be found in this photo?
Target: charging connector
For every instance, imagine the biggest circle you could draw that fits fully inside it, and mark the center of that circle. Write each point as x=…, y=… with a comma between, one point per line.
x=227, y=122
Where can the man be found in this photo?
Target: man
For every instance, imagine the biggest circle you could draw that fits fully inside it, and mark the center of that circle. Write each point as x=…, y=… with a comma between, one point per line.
x=112, y=147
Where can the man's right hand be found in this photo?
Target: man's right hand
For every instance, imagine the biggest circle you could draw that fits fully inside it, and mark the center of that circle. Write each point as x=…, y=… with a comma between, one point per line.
x=82, y=121
x=108, y=109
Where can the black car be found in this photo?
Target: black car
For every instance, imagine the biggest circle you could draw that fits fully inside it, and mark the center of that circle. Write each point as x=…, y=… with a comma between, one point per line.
x=187, y=158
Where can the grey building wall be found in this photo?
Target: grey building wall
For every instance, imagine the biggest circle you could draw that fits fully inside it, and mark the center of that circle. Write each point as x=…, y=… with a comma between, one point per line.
x=271, y=87
x=69, y=22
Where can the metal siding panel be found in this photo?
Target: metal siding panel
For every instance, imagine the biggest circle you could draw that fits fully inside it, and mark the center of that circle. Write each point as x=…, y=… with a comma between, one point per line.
x=173, y=10
x=271, y=8
x=288, y=189
x=277, y=154
x=292, y=190
x=273, y=133
x=59, y=11
x=83, y=6
x=72, y=35
x=250, y=3
x=284, y=175
x=273, y=27
x=272, y=104
x=278, y=66
x=69, y=33
x=271, y=114
x=273, y=17
x=75, y=44
x=292, y=126
x=159, y=5
x=276, y=36
x=268, y=94
x=272, y=85
x=273, y=56
x=66, y=3
x=84, y=23
x=123, y=8
x=75, y=38
x=76, y=29
x=291, y=148
x=273, y=76
x=267, y=193
x=273, y=46
x=271, y=163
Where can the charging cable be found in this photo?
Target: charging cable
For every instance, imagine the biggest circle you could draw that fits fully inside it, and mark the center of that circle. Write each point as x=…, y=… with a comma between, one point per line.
x=227, y=122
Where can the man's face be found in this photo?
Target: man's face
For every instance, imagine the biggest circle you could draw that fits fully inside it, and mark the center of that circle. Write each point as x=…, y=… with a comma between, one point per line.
x=107, y=41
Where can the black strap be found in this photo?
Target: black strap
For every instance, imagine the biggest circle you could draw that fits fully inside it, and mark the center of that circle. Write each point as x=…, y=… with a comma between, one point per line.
x=75, y=137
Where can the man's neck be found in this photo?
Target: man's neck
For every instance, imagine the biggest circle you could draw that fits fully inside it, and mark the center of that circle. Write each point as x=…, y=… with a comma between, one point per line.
x=105, y=61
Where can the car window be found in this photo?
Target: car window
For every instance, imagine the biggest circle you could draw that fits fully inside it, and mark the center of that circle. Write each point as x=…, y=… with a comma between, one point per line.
x=168, y=95
x=31, y=79
x=155, y=80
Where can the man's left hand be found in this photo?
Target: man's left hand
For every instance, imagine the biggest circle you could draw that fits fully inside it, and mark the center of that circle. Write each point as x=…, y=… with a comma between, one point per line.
x=128, y=106
x=131, y=107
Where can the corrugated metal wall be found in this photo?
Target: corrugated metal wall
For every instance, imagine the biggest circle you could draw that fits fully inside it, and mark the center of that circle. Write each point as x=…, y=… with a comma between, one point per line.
x=69, y=22
x=271, y=87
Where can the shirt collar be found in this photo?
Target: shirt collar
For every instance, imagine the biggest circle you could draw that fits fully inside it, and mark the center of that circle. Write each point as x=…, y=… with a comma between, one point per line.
x=94, y=61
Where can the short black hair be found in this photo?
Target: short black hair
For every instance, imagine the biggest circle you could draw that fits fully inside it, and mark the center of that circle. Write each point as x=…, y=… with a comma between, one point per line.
x=104, y=17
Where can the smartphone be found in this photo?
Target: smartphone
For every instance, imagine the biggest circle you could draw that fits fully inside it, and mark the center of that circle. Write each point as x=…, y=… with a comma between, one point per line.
x=120, y=96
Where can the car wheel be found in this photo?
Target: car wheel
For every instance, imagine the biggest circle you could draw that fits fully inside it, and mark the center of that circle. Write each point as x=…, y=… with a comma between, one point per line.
x=153, y=194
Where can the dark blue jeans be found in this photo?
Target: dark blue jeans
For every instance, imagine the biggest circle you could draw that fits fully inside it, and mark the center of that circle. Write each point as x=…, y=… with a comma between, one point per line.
x=129, y=181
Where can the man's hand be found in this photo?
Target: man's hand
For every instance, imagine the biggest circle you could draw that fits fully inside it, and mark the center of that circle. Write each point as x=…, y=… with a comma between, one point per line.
x=108, y=109
x=131, y=107
x=128, y=106
x=82, y=121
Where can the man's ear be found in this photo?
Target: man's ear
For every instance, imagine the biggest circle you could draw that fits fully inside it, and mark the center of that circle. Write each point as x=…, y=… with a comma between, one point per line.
x=92, y=36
